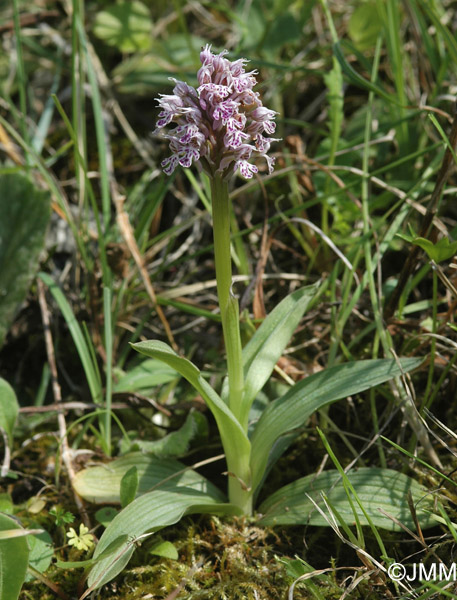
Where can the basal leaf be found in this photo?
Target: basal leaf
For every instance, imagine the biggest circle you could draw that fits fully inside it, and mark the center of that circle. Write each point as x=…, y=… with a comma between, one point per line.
x=266, y=346
x=294, y=408
x=149, y=513
x=14, y=559
x=102, y=484
x=24, y=217
x=235, y=441
x=376, y=488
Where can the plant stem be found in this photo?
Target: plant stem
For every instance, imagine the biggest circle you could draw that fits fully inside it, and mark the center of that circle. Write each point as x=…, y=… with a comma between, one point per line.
x=227, y=302
x=238, y=464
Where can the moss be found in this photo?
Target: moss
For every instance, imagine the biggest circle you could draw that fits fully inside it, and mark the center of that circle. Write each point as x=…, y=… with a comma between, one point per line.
x=218, y=560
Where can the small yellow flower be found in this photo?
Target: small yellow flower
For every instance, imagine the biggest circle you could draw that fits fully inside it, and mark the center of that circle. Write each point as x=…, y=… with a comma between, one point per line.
x=83, y=541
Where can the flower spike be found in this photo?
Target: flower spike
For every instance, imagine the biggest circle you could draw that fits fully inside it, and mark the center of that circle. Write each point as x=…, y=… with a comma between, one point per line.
x=221, y=124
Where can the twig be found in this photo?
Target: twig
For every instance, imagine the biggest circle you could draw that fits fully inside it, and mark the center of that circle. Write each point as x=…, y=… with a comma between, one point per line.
x=50, y=584
x=426, y=229
x=66, y=453
x=7, y=457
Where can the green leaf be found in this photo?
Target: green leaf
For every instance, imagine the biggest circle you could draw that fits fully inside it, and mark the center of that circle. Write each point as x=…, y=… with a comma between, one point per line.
x=105, y=515
x=81, y=564
x=284, y=30
x=149, y=513
x=129, y=486
x=444, y=249
x=145, y=376
x=266, y=346
x=41, y=551
x=126, y=25
x=294, y=408
x=176, y=443
x=14, y=559
x=102, y=484
x=364, y=26
x=376, y=488
x=9, y=408
x=235, y=441
x=6, y=503
x=165, y=549
x=24, y=217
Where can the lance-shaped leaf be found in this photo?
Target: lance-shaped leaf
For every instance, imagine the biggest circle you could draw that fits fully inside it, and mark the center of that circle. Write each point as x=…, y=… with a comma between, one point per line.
x=235, y=441
x=377, y=489
x=266, y=346
x=102, y=484
x=149, y=513
x=294, y=408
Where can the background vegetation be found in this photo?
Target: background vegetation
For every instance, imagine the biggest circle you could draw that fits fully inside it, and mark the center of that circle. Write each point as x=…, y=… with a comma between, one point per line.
x=365, y=92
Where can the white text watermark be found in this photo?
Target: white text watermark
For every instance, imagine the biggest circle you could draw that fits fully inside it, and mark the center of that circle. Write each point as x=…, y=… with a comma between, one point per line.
x=422, y=572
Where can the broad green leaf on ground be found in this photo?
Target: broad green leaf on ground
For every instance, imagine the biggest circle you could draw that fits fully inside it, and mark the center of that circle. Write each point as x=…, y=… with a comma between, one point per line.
x=294, y=408
x=102, y=484
x=129, y=486
x=176, y=443
x=14, y=558
x=125, y=25
x=41, y=551
x=9, y=408
x=235, y=441
x=266, y=346
x=24, y=217
x=105, y=515
x=165, y=549
x=149, y=513
x=376, y=488
x=145, y=376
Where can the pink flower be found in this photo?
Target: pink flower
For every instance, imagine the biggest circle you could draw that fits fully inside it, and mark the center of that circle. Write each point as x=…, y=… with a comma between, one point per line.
x=217, y=121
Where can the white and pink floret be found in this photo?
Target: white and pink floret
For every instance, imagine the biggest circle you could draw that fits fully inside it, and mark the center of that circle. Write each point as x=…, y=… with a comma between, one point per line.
x=221, y=124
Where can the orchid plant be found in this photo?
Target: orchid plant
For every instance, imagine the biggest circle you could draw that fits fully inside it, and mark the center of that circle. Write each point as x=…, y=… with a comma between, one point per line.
x=221, y=127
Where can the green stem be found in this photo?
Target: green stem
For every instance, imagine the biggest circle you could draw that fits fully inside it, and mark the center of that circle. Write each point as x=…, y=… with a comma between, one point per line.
x=227, y=302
